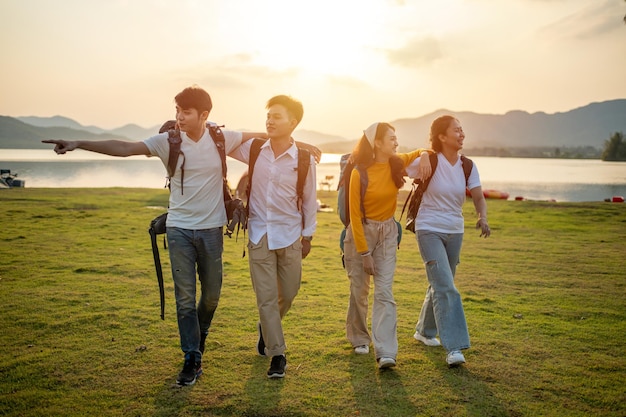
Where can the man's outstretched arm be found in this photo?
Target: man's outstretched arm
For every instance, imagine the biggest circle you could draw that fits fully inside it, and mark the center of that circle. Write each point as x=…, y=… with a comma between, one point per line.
x=107, y=147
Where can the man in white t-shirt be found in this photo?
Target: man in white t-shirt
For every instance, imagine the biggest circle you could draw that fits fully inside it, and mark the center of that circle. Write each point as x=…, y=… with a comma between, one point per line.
x=196, y=215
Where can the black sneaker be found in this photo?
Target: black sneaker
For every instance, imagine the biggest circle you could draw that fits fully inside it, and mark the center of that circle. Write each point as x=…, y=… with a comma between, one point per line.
x=203, y=341
x=260, y=346
x=191, y=371
x=277, y=367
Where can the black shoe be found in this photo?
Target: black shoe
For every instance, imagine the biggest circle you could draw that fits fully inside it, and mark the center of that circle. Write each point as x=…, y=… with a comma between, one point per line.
x=277, y=367
x=260, y=346
x=191, y=371
x=203, y=341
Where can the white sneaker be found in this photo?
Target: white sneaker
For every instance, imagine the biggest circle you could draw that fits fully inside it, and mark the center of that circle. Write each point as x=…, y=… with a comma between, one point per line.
x=386, y=363
x=455, y=358
x=362, y=350
x=428, y=341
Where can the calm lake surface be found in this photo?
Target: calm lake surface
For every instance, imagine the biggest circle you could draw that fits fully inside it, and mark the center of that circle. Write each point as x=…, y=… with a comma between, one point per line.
x=534, y=179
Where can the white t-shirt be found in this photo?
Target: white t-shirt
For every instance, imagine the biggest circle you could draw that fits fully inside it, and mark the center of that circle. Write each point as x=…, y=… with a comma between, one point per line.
x=442, y=204
x=200, y=205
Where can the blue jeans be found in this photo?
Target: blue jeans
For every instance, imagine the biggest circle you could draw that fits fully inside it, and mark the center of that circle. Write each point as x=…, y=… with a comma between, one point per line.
x=188, y=249
x=442, y=311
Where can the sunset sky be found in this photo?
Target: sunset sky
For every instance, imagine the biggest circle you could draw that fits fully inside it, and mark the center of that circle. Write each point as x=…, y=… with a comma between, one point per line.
x=351, y=62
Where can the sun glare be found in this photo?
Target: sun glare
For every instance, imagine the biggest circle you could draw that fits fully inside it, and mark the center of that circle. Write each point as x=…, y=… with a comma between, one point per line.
x=325, y=37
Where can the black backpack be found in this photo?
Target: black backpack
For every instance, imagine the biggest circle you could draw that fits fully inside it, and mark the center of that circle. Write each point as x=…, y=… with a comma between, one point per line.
x=235, y=211
x=414, y=199
x=343, y=188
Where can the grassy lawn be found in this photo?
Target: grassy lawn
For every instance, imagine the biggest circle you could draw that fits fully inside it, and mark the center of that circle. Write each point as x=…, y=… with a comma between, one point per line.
x=81, y=333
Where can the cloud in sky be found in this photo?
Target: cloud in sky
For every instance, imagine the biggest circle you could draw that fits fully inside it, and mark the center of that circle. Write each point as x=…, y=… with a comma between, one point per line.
x=590, y=22
x=416, y=53
x=109, y=63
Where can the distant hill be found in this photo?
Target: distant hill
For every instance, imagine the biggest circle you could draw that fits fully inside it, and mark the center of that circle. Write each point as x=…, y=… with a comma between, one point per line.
x=587, y=126
x=27, y=132
x=130, y=131
x=590, y=125
x=58, y=121
x=15, y=134
x=316, y=138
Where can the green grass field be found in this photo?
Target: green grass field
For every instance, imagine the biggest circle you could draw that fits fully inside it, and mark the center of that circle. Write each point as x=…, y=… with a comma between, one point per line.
x=81, y=333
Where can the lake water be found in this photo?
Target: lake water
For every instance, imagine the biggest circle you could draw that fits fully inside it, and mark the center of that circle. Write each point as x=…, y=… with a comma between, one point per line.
x=534, y=179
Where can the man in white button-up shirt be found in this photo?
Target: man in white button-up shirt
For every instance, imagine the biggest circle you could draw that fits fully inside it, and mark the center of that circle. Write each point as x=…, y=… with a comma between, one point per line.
x=279, y=233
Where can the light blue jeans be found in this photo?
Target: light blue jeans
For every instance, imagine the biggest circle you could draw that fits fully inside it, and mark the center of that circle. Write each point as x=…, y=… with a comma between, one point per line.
x=442, y=312
x=190, y=249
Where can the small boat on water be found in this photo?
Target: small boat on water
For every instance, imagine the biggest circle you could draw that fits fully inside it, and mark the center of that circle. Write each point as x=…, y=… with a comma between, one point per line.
x=8, y=180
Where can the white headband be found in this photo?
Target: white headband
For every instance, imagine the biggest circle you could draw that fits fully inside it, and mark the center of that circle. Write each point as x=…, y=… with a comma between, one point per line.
x=370, y=134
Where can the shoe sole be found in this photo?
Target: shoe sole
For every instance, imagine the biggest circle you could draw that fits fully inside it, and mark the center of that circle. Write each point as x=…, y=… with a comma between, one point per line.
x=426, y=341
x=276, y=375
x=386, y=365
x=455, y=364
x=185, y=384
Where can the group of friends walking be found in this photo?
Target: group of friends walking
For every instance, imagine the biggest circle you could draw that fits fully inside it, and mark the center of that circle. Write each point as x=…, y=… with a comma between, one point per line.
x=281, y=225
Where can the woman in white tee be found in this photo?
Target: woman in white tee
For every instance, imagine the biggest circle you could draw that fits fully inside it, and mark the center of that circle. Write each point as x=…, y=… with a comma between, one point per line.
x=439, y=231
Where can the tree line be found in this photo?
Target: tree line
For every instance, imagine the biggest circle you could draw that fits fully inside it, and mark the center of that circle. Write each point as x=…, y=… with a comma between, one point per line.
x=615, y=148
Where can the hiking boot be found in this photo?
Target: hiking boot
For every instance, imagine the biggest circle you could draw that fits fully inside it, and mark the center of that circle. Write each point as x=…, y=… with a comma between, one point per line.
x=428, y=341
x=455, y=358
x=386, y=363
x=203, y=337
x=192, y=369
x=277, y=367
x=260, y=346
x=362, y=350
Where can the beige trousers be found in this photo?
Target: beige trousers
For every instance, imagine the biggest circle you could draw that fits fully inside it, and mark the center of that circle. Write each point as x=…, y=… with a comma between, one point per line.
x=276, y=276
x=382, y=240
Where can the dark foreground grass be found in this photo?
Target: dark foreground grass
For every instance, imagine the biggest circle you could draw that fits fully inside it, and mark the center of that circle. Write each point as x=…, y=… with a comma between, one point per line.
x=81, y=334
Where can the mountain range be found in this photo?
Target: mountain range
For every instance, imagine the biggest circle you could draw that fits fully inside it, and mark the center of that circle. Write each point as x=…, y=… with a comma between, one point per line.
x=587, y=126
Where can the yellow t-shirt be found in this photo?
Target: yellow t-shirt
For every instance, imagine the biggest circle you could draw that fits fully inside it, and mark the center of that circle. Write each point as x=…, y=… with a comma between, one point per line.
x=380, y=198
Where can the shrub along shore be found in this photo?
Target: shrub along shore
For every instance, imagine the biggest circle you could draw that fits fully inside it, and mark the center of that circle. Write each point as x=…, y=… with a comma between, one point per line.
x=81, y=332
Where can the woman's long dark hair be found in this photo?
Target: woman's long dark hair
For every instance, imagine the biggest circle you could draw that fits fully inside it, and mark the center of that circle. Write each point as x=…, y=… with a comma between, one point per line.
x=439, y=127
x=363, y=155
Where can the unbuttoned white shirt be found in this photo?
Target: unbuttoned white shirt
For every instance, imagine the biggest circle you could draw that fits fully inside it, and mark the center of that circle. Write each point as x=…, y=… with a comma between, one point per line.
x=273, y=197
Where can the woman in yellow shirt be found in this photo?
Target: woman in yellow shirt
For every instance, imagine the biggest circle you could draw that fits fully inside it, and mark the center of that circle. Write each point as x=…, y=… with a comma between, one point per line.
x=371, y=239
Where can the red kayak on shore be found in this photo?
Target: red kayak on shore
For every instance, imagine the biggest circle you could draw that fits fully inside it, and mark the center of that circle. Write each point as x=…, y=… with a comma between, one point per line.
x=501, y=195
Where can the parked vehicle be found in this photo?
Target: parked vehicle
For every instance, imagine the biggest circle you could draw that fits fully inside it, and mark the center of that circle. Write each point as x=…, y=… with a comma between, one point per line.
x=8, y=180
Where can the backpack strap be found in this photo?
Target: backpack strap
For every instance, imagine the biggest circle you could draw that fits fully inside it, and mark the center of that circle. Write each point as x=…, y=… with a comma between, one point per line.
x=255, y=149
x=434, y=160
x=220, y=143
x=304, y=162
x=364, y=180
x=174, y=139
x=468, y=164
x=159, y=271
